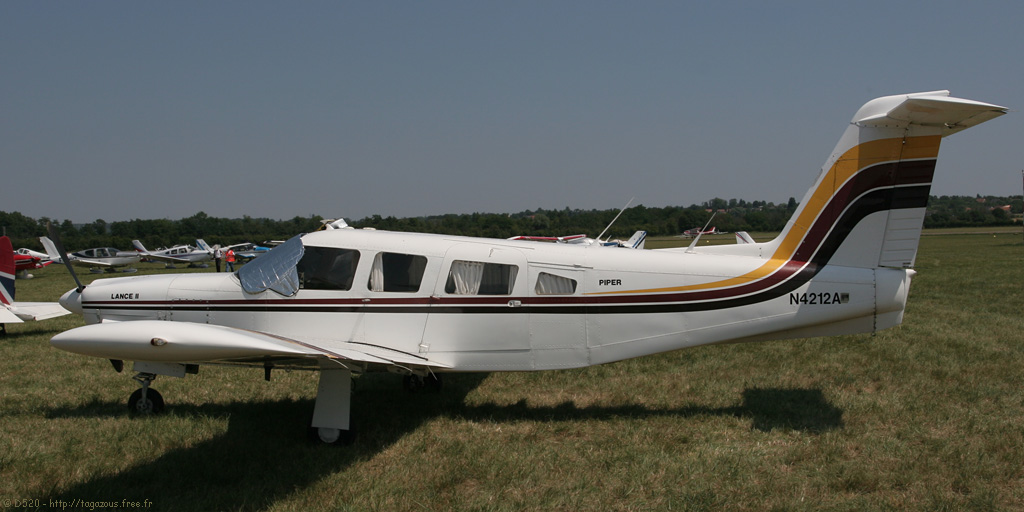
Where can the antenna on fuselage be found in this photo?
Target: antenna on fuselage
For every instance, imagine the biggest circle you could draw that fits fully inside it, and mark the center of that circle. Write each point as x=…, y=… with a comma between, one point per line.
x=701, y=232
x=615, y=219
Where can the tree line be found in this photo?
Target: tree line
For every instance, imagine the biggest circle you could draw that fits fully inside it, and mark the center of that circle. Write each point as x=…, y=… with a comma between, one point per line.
x=729, y=215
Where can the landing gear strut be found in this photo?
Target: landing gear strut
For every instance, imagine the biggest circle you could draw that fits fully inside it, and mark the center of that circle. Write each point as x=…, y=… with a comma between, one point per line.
x=331, y=421
x=145, y=400
x=413, y=383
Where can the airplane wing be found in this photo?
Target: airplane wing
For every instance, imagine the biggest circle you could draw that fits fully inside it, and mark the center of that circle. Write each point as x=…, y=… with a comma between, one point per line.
x=186, y=342
x=163, y=258
x=84, y=262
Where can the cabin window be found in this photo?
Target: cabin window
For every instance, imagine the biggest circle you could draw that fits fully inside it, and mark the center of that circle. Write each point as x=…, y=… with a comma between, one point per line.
x=327, y=268
x=478, y=278
x=550, y=284
x=393, y=272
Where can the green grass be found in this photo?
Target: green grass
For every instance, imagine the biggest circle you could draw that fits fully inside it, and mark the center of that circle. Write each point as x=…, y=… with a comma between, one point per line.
x=928, y=416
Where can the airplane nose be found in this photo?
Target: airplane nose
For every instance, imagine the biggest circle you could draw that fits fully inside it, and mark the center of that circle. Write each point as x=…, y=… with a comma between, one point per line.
x=72, y=301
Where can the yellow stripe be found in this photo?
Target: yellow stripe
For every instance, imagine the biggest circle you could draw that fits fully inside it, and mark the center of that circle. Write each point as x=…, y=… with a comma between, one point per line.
x=859, y=157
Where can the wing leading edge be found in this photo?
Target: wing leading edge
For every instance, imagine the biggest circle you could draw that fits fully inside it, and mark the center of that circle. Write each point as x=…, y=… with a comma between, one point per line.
x=185, y=342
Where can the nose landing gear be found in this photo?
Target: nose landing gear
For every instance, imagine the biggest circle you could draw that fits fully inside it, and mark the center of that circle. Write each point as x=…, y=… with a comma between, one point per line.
x=145, y=400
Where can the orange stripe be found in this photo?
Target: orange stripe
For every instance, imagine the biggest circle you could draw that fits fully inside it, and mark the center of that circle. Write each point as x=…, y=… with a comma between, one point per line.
x=859, y=157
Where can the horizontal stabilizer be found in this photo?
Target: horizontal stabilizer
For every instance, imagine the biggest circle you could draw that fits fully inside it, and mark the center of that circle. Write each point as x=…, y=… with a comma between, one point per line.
x=39, y=310
x=8, y=317
x=928, y=109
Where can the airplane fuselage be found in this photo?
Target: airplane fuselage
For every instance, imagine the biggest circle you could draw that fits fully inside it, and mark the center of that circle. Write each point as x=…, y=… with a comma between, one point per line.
x=527, y=306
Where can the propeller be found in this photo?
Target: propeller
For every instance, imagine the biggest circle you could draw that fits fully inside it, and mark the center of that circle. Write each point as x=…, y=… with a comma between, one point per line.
x=67, y=301
x=55, y=236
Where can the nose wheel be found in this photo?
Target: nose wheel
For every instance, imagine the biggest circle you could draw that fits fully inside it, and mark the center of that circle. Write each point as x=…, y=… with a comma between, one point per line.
x=145, y=400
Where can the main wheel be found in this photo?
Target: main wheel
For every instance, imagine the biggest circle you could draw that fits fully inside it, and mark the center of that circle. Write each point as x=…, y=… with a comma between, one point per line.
x=152, y=404
x=412, y=383
x=433, y=382
x=336, y=436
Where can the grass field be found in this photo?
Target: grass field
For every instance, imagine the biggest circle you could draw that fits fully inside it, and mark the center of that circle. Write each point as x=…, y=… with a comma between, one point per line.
x=928, y=416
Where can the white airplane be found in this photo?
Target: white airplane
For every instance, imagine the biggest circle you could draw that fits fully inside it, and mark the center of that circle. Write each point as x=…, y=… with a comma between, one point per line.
x=193, y=256
x=691, y=233
x=12, y=312
x=34, y=254
x=636, y=241
x=27, y=259
x=98, y=259
x=345, y=301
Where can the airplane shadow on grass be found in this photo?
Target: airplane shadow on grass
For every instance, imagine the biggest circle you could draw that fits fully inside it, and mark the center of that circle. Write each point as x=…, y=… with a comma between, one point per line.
x=261, y=458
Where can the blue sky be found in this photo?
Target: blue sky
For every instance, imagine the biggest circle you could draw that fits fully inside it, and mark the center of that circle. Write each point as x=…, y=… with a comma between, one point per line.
x=124, y=110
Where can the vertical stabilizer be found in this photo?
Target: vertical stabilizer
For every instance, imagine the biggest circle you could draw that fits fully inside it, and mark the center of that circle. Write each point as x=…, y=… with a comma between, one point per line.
x=867, y=206
x=637, y=240
x=6, y=271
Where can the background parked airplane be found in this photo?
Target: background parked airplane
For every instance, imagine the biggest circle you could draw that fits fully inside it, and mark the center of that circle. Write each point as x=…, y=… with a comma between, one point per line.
x=97, y=259
x=29, y=260
x=690, y=233
x=635, y=242
x=183, y=254
x=246, y=251
x=35, y=254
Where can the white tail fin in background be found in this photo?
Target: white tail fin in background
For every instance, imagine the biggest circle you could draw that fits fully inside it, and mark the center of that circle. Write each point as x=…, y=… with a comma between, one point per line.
x=742, y=237
x=51, y=249
x=637, y=240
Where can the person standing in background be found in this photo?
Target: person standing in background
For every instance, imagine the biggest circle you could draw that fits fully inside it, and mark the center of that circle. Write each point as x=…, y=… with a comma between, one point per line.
x=218, y=254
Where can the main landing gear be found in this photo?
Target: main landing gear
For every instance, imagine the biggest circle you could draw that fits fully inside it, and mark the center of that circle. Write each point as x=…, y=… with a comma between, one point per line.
x=331, y=412
x=413, y=383
x=331, y=419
